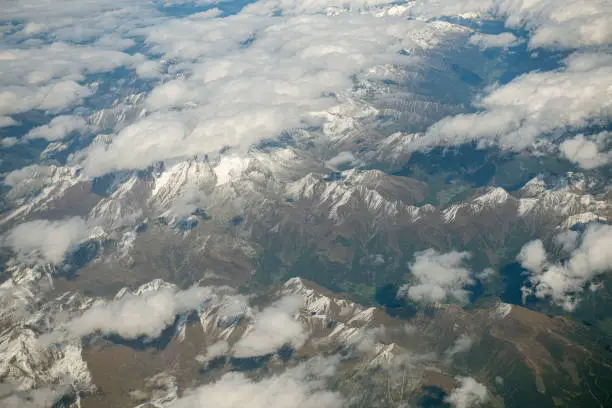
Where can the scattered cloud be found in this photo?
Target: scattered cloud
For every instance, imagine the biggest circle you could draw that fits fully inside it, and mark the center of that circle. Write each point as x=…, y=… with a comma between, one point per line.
x=45, y=240
x=503, y=40
x=6, y=121
x=8, y=141
x=438, y=277
x=461, y=345
x=133, y=316
x=587, y=153
x=469, y=394
x=56, y=96
x=272, y=328
x=533, y=255
x=217, y=349
x=58, y=128
x=343, y=158
x=302, y=386
x=564, y=281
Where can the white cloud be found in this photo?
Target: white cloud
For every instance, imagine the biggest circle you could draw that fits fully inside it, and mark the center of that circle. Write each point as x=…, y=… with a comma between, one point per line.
x=586, y=153
x=149, y=69
x=16, y=177
x=8, y=141
x=35, y=398
x=470, y=393
x=568, y=240
x=272, y=328
x=560, y=23
x=231, y=94
x=58, y=128
x=303, y=386
x=342, y=158
x=551, y=23
x=438, y=277
x=217, y=349
x=61, y=21
x=46, y=240
x=563, y=282
x=50, y=73
x=134, y=316
x=514, y=115
x=503, y=40
x=6, y=121
x=533, y=256
x=461, y=345
x=55, y=96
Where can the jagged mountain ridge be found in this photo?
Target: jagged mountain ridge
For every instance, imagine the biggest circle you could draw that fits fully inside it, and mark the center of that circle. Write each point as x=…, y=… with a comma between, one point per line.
x=331, y=322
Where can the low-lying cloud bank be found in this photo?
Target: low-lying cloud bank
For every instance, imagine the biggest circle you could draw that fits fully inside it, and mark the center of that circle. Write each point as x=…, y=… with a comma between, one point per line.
x=133, y=316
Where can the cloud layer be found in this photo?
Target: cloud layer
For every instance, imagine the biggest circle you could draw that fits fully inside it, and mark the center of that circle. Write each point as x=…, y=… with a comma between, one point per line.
x=250, y=76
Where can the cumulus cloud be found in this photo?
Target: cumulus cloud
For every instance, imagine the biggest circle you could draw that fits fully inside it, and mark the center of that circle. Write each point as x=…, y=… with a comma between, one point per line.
x=272, y=328
x=302, y=386
x=8, y=141
x=438, y=277
x=533, y=255
x=564, y=281
x=536, y=104
x=55, y=96
x=503, y=40
x=46, y=240
x=59, y=61
x=585, y=152
x=133, y=316
x=470, y=393
x=58, y=128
